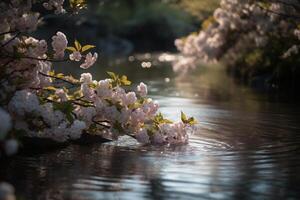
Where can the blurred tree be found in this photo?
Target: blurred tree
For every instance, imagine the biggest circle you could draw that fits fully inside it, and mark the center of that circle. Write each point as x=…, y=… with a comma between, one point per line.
x=141, y=25
x=199, y=8
x=151, y=25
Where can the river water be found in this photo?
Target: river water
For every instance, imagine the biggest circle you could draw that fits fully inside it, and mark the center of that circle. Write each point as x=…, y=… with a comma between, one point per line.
x=247, y=147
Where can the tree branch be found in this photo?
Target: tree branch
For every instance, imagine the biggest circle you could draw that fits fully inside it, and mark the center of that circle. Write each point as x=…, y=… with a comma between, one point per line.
x=61, y=79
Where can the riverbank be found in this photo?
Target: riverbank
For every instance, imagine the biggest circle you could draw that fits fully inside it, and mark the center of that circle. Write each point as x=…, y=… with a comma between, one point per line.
x=268, y=79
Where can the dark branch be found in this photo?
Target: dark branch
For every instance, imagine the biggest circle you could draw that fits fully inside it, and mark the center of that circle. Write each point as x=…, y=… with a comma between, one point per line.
x=54, y=77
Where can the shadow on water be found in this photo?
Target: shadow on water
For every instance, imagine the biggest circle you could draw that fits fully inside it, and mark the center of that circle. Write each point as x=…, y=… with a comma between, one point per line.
x=247, y=147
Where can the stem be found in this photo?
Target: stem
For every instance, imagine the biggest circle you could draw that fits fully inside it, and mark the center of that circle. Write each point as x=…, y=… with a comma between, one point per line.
x=34, y=58
x=64, y=80
x=296, y=7
x=83, y=105
x=45, y=59
x=99, y=123
x=276, y=13
x=6, y=63
x=4, y=33
x=11, y=39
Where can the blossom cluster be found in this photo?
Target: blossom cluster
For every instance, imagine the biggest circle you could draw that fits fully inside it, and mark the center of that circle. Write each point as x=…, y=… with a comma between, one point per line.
x=55, y=4
x=237, y=28
x=130, y=113
x=36, y=102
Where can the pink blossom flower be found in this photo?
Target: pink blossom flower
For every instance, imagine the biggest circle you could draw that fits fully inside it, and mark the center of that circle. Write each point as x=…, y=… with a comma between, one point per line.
x=129, y=98
x=28, y=22
x=57, y=4
x=61, y=94
x=86, y=78
x=158, y=139
x=89, y=60
x=76, y=56
x=150, y=107
x=142, y=136
x=59, y=44
x=142, y=89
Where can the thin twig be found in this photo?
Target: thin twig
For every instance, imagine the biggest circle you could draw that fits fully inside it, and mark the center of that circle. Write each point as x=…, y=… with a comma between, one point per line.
x=6, y=63
x=7, y=32
x=99, y=123
x=35, y=58
x=7, y=42
x=80, y=104
x=64, y=80
x=276, y=13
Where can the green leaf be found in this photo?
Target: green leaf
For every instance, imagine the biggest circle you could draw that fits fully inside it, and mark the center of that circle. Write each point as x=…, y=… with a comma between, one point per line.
x=87, y=47
x=77, y=45
x=112, y=75
x=117, y=125
x=159, y=119
x=72, y=79
x=77, y=94
x=78, y=4
x=186, y=120
x=183, y=117
x=65, y=107
x=70, y=117
x=125, y=81
x=192, y=121
x=51, y=73
x=60, y=75
x=50, y=88
x=92, y=128
x=151, y=131
x=135, y=105
x=167, y=121
x=72, y=49
x=93, y=85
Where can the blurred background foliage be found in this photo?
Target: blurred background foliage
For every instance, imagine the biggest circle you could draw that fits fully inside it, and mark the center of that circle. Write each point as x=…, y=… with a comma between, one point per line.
x=125, y=27
x=121, y=27
x=199, y=8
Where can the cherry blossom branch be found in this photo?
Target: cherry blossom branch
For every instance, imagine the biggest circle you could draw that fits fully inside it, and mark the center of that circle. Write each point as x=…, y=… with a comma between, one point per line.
x=80, y=104
x=276, y=13
x=76, y=103
x=33, y=58
x=10, y=40
x=58, y=78
x=39, y=59
x=100, y=123
x=5, y=64
x=7, y=32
